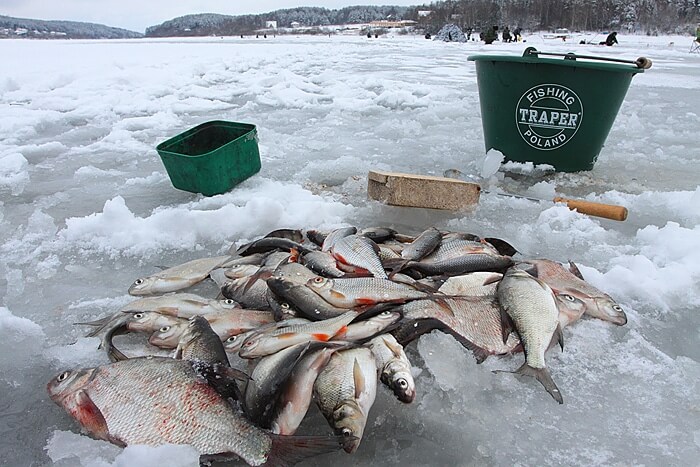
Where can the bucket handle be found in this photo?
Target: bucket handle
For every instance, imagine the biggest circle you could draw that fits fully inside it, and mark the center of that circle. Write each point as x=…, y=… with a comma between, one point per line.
x=642, y=62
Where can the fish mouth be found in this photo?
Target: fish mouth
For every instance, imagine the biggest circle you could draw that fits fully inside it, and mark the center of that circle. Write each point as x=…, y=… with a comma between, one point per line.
x=611, y=312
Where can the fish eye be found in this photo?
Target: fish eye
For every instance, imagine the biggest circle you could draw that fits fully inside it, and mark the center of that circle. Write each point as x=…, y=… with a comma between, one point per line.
x=232, y=339
x=138, y=281
x=138, y=315
x=318, y=280
x=617, y=308
x=164, y=329
x=228, y=301
x=347, y=432
x=403, y=384
x=63, y=376
x=568, y=297
x=385, y=313
x=285, y=306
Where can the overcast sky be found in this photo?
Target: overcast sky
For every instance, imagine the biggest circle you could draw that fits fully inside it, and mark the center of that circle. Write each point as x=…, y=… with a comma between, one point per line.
x=136, y=15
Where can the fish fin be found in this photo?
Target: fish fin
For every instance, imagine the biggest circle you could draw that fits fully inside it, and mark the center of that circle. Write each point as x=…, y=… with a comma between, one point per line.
x=359, y=379
x=341, y=332
x=289, y=450
x=395, y=349
x=503, y=247
x=480, y=355
x=506, y=324
x=293, y=255
x=260, y=274
x=223, y=379
x=323, y=337
x=98, y=322
x=495, y=277
x=575, y=270
x=89, y=416
x=542, y=375
x=408, y=331
x=558, y=337
x=395, y=265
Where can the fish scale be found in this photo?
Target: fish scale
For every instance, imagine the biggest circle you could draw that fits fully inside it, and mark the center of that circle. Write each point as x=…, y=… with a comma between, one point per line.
x=157, y=401
x=359, y=251
x=348, y=293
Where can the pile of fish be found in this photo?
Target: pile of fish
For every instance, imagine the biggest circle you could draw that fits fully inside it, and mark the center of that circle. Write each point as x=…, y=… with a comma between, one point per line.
x=304, y=317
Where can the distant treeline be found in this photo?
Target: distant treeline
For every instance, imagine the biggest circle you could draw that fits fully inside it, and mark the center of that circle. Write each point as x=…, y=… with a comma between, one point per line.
x=40, y=29
x=641, y=16
x=650, y=16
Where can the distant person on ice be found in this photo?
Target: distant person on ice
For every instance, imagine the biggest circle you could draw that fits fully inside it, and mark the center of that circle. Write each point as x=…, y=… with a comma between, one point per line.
x=611, y=39
x=491, y=35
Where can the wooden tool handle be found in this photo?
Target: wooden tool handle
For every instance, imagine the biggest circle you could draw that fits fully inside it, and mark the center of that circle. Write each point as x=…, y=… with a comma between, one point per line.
x=608, y=211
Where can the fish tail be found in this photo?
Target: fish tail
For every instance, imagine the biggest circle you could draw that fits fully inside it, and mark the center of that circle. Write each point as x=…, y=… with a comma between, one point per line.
x=289, y=450
x=542, y=375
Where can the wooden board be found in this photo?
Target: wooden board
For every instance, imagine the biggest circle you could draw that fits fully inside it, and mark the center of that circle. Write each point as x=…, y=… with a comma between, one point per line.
x=421, y=191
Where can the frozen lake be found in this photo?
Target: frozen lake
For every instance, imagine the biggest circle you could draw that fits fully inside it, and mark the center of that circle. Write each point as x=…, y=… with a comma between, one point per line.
x=86, y=207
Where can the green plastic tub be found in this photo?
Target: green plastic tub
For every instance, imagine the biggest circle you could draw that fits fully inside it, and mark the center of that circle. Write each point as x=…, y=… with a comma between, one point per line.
x=211, y=158
x=555, y=111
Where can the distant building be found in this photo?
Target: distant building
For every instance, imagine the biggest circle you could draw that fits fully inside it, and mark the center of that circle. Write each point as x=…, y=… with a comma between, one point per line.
x=294, y=24
x=271, y=24
x=424, y=12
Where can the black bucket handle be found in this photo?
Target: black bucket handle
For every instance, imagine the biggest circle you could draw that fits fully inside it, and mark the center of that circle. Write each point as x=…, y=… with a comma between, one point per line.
x=642, y=62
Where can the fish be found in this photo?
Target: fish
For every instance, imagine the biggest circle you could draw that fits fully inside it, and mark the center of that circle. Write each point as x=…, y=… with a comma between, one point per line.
x=378, y=234
x=345, y=391
x=357, y=252
x=393, y=366
x=177, y=277
x=241, y=270
x=268, y=244
x=473, y=284
x=157, y=400
x=322, y=263
x=303, y=300
x=266, y=382
x=367, y=328
x=200, y=343
x=475, y=322
x=225, y=325
x=458, y=257
x=358, y=291
x=296, y=395
x=570, y=281
x=423, y=245
x=330, y=240
x=283, y=334
x=531, y=305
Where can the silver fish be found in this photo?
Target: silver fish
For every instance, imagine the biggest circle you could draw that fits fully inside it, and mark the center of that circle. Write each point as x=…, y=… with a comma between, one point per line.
x=177, y=277
x=531, y=305
x=336, y=235
x=322, y=263
x=479, y=284
x=156, y=401
x=296, y=396
x=266, y=382
x=200, y=343
x=345, y=391
x=361, y=330
x=360, y=252
x=394, y=367
x=287, y=333
x=598, y=304
x=423, y=245
x=358, y=291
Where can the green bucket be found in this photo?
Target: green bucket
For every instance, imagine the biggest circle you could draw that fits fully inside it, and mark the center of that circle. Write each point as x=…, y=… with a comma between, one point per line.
x=211, y=158
x=551, y=111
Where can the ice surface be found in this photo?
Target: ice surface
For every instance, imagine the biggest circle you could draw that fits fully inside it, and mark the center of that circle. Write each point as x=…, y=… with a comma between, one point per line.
x=87, y=207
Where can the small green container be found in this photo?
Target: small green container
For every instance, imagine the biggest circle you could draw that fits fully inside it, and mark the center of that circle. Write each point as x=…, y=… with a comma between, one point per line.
x=551, y=111
x=211, y=158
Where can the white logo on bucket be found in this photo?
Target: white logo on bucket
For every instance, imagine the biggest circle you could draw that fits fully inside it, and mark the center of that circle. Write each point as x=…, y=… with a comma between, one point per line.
x=548, y=116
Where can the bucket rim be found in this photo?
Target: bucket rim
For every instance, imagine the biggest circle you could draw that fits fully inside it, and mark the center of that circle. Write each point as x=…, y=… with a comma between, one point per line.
x=164, y=146
x=536, y=60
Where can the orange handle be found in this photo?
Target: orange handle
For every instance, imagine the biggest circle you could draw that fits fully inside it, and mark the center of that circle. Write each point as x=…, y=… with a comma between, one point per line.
x=608, y=211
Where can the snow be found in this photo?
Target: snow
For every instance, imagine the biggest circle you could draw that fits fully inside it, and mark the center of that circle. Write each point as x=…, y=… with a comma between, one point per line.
x=86, y=207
